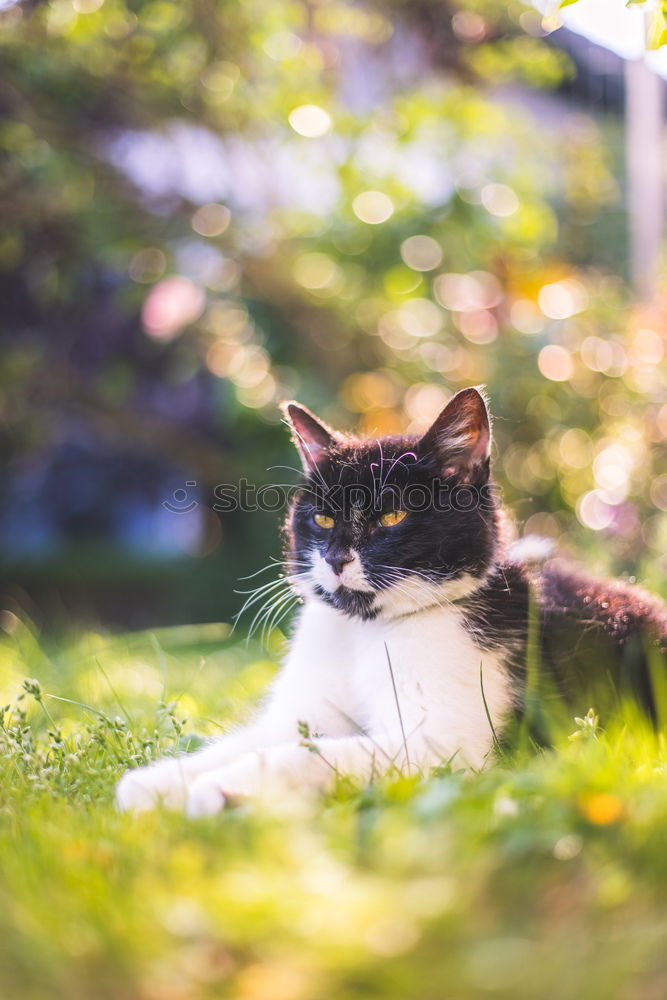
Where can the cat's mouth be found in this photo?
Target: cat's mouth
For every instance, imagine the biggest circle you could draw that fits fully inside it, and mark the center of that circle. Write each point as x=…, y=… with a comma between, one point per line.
x=349, y=577
x=399, y=595
x=344, y=587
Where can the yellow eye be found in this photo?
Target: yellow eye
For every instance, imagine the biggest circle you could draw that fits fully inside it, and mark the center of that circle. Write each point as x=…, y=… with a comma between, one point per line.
x=322, y=521
x=393, y=517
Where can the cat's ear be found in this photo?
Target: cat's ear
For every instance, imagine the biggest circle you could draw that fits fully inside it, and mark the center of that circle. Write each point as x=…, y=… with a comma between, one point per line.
x=311, y=436
x=460, y=438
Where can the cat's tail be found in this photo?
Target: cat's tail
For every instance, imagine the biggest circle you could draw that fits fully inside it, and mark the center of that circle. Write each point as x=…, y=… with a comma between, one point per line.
x=621, y=608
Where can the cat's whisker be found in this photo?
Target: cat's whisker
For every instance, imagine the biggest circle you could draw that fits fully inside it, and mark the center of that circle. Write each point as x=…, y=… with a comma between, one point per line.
x=289, y=468
x=436, y=598
x=395, y=578
x=278, y=613
x=263, y=569
x=263, y=587
x=265, y=614
x=399, y=581
x=285, y=575
x=267, y=599
x=409, y=572
x=406, y=592
x=285, y=582
x=261, y=594
x=267, y=592
x=272, y=565
x=267, y=606
x=427, y=579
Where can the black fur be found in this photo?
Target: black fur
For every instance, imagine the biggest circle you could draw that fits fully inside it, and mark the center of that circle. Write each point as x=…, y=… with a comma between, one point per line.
x=596, y=641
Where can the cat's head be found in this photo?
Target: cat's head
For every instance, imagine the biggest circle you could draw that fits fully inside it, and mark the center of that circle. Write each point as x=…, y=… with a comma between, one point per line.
x=387, y=526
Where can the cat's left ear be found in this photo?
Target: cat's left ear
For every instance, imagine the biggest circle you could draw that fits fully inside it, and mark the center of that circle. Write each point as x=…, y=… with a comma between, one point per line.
x=460, y=438
x=311, y=435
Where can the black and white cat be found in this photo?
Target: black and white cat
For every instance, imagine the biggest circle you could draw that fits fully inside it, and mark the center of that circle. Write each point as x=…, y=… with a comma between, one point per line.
x=410, y=647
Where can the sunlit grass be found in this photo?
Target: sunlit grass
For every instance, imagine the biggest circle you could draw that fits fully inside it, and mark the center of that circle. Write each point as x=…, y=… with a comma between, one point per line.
x=543, y=876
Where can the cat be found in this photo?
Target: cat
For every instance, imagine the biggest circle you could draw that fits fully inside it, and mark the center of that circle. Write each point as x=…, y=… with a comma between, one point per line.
x=411, y=647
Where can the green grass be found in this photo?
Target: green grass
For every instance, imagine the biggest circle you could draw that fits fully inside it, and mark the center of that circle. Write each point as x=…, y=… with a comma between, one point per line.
x=543, y=877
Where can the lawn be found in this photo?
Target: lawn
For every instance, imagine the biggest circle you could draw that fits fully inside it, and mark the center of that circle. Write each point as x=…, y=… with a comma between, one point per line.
x=545, y=876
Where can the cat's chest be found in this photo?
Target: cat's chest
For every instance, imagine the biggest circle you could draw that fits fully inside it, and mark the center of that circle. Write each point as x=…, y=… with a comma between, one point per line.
x=425, y=665
x=429, y=659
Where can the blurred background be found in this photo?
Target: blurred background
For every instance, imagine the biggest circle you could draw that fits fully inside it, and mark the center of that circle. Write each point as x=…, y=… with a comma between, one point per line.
x=207, y=207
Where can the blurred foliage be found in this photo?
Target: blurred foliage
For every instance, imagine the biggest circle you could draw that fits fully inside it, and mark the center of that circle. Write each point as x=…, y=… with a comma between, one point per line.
x=542, y=876
x=208, y=208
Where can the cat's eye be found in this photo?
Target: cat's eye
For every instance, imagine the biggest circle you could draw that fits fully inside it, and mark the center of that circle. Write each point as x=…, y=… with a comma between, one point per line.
x=392, y=517
x=323, y=521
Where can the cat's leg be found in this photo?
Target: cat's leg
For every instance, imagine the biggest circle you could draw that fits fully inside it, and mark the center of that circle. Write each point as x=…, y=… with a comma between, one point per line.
x=310, y=688
x=166, y=781
x=280, y=770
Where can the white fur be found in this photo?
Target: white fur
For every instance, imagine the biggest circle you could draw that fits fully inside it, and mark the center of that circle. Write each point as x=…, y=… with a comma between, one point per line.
x=352, y=574
x=337, y=679
x=531, y=548
x=416, y=593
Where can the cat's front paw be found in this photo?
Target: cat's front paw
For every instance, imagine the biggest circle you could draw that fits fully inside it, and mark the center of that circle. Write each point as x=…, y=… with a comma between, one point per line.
x=163, y=783
x=205, y=797
x=212, y=791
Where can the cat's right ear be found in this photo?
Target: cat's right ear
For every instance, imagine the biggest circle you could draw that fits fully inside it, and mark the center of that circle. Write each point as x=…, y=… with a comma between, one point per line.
x=311, y=436
x=460, y=438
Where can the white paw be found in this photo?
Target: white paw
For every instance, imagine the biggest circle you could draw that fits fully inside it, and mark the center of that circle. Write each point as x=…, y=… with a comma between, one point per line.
x=205, y=797
x=163, y=783
x=212, y=791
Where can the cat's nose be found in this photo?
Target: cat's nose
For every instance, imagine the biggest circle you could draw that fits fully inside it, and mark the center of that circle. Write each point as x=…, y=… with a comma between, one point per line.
x=337, y=560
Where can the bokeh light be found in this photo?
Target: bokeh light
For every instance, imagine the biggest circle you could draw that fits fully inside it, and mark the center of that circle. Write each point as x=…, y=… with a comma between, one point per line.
x=310, y=121
x=526, y=317
x=318, y=272
x=562, y=299
x=555, y=363
x=467, y=292
x=171, y=304
x=147, y=265
x=373, y=207
x=499, y=199
x=211, y=219
x=282, y=46
x=594, y=512
x=218, y=80
x=421, y=253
